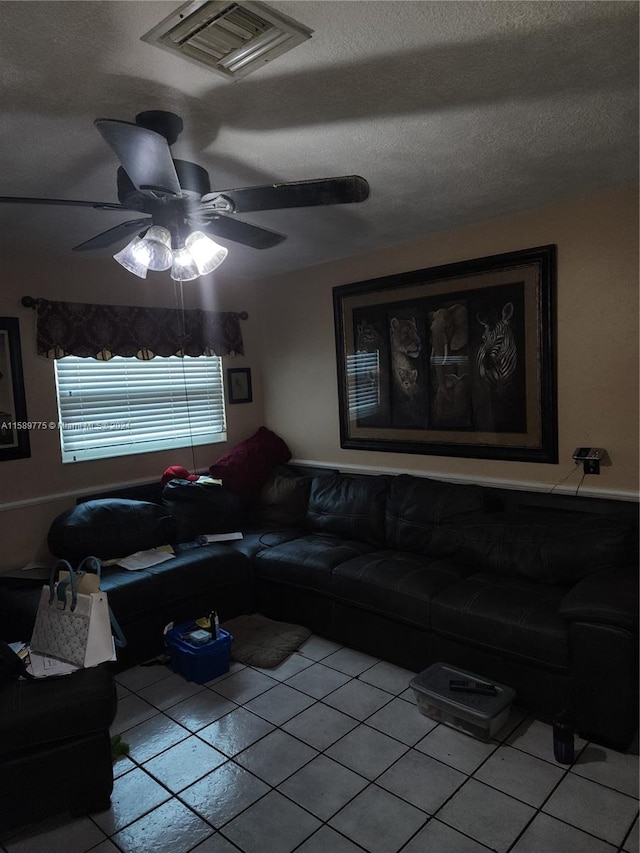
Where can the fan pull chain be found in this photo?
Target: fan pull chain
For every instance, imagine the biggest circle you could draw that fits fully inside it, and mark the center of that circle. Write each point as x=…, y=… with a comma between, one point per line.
x=179, y=297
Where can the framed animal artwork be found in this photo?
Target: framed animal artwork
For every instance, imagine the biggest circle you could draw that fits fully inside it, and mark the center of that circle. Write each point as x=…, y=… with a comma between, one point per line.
x=455, y=360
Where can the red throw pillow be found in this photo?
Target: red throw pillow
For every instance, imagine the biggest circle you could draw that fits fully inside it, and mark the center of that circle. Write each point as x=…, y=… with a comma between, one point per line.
x=246, y=467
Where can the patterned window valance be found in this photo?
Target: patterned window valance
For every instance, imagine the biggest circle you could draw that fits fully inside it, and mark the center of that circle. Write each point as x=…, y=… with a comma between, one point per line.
x=102, y=331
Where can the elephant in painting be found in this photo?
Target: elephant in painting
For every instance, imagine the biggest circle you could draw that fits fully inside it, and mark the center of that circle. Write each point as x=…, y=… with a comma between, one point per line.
x=449, y=331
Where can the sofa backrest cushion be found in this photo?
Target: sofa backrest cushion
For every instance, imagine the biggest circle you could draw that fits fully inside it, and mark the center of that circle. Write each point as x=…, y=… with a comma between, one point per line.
x=200, y=508
x=351, y=507
x=110, y=528
x=416, y=506
x=543, y=547
x=284, y=498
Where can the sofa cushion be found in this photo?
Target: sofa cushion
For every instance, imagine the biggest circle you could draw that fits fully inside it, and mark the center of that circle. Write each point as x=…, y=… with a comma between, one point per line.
x=509, y=616
x=306, y=562
x=606, y=597
x=244, y=469
x=417, y=505
x=397, y=584
x=284, y=497
x=109, y=528
x=194, y=573
x=257, y=538
x=539, y=546
x=349, y=507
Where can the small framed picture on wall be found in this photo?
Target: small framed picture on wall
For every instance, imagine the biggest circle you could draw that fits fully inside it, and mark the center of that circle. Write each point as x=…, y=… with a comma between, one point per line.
x=239, y=385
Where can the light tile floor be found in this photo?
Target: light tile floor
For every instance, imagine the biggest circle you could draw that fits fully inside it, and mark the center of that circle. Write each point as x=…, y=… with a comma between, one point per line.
x=329, y=754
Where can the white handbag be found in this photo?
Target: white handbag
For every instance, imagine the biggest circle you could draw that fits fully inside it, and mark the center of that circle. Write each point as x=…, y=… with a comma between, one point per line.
x=71, y=625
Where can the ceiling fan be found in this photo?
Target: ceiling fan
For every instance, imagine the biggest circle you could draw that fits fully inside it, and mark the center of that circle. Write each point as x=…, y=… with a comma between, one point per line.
x=175, y=195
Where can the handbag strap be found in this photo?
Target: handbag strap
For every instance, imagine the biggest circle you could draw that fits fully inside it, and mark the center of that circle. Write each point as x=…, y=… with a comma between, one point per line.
x=59, y=589
x=118, y=634
x=90, y=564
x=61, y=564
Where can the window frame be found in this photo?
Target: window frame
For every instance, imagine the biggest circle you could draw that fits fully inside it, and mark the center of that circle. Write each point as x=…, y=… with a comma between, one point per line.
x=96, y=422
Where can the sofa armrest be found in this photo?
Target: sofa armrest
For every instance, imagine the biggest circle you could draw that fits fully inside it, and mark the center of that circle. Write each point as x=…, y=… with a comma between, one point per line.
x=607, y=597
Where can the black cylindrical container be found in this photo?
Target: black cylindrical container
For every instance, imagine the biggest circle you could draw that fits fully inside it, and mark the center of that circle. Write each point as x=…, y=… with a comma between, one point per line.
x=563, y=748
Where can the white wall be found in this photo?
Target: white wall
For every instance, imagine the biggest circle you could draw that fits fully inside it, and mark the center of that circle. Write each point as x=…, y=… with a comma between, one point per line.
x=597, y=342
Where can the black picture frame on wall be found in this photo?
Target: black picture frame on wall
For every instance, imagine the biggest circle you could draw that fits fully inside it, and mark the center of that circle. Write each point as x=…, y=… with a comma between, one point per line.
x=239, y=385
x=14, y=426
x=454, y=360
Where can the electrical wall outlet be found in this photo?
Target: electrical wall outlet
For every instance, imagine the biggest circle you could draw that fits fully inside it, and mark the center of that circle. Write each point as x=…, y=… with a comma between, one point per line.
x=590, y=458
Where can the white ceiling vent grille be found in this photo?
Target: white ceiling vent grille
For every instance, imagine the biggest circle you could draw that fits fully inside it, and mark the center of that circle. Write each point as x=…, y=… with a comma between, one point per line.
x=232, y=39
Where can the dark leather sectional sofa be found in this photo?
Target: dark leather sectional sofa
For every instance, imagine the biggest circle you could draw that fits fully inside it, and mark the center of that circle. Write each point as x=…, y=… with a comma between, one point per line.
x=409, y=569
x=414, y=571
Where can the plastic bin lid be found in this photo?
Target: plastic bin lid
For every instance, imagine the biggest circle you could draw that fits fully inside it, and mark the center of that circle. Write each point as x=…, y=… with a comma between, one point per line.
x=434, y=682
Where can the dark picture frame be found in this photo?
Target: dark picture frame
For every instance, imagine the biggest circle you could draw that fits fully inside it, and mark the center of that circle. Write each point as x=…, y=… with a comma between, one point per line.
x=14, y=427
x=239, y=385
x=453, y=360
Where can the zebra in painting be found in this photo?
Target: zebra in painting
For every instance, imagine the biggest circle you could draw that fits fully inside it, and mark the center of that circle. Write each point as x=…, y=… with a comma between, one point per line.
x=497, y=355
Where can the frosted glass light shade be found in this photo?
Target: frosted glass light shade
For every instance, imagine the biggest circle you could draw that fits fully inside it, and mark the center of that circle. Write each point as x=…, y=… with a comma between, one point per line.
x=159, y=234
x=199, y=255
x=184, y=267
x=132, y=258
x=156, y=243
x=206, y=253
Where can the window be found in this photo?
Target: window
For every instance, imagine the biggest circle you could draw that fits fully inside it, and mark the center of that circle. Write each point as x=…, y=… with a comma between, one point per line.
x=363, y=378
x=125, y=405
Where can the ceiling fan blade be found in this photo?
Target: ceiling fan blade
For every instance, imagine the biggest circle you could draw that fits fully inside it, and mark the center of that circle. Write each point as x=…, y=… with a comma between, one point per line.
x=112, y=235
x=218, y=225
x=98, y=205
x=144, y=154
x=350, y=188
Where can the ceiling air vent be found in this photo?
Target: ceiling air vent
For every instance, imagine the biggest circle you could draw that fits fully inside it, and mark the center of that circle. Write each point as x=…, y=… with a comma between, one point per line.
x=232, y=39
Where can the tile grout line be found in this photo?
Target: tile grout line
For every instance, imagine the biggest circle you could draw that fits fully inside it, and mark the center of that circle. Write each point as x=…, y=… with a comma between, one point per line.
x=622, y=848
x=319, y=752
x=369, y=782
x=539, y=809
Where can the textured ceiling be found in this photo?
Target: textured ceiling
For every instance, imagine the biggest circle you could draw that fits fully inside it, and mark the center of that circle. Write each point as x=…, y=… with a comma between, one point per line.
x=455, y=112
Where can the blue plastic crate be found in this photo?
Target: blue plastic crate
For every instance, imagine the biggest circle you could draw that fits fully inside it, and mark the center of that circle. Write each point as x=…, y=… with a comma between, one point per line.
x=198, y=663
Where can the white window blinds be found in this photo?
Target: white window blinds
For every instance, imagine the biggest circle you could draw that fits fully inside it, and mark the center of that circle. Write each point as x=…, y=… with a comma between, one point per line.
x=363, y=382
x=125, y=406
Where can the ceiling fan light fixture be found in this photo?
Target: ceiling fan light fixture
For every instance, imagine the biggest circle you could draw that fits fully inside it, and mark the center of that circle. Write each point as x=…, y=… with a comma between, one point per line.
x=155, y=249
x=207, y=254
x=184, y=267
x=132, y=258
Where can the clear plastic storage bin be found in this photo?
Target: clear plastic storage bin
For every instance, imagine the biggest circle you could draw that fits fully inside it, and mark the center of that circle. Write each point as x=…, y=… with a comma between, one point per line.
x=473, y=713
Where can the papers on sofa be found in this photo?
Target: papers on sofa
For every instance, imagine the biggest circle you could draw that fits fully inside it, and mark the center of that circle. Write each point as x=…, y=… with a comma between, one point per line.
x=146, y=559
x=38, y=665
x=209, y=481
x=208, y=538
x=44, y=667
